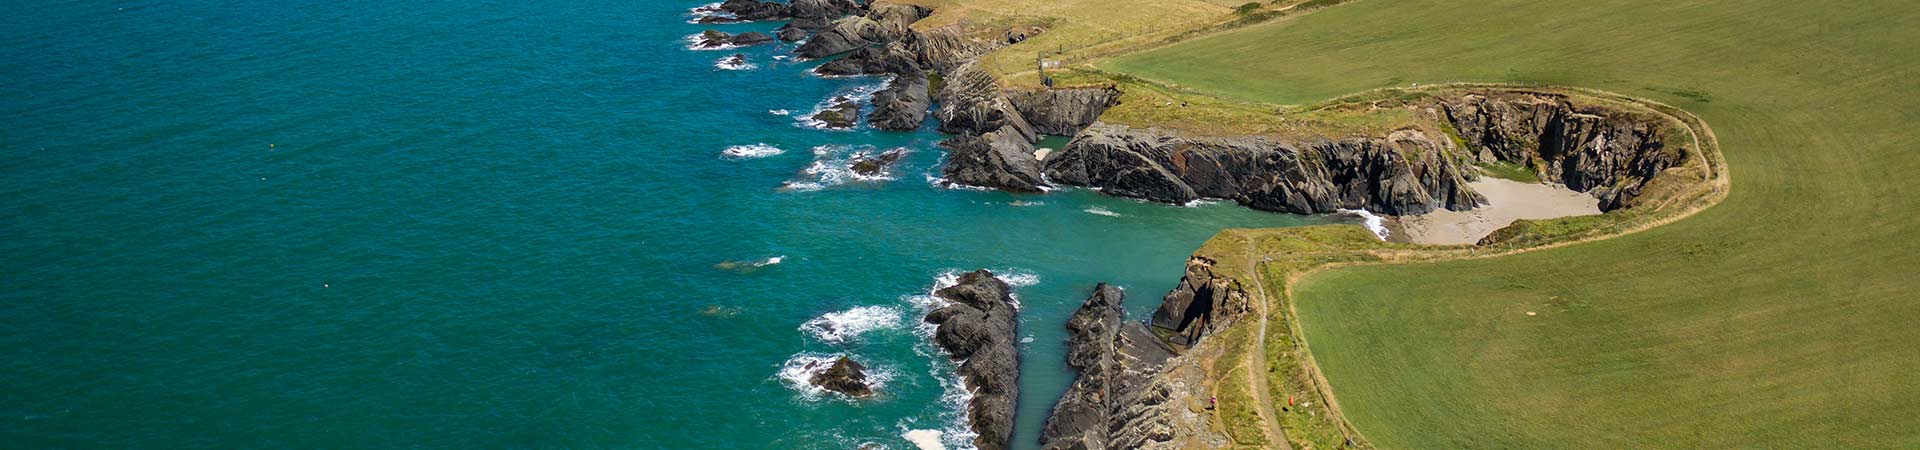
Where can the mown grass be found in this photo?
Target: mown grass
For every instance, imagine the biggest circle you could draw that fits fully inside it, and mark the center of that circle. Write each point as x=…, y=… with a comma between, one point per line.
x=1781, y=318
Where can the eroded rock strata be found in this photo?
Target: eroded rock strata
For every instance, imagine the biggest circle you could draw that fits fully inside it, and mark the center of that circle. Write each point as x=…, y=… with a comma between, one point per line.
x=1202, y=304
x=1122, y=398
x=1606, y=152
x=902, y=105
x=1404, y=173
x=1001, y=160
x=978, y=329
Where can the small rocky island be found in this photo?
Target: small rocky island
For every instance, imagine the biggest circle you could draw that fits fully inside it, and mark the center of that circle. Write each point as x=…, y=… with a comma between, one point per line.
x=846, y=377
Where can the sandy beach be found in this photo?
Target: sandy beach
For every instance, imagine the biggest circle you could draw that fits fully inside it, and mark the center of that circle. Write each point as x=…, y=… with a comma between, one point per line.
x=1507, y=200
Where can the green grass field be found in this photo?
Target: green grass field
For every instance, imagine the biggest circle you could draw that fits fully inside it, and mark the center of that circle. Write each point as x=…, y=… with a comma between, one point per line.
x=1788, y=316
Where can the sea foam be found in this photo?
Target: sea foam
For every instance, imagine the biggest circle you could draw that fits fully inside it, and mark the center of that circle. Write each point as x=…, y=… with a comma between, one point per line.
x=1098, y=211
x=798, y=371
x=1374, y=223
x=750, y=151
x=839, y=327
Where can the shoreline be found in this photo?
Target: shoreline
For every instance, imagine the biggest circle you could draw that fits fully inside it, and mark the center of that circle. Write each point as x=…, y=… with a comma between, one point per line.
x=1508, y=201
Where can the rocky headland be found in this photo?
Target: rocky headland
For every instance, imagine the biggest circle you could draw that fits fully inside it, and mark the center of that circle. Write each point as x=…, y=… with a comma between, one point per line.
x=978, y=329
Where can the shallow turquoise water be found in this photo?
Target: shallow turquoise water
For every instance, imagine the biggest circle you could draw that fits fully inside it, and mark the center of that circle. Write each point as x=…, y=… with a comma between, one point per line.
x=488, y=224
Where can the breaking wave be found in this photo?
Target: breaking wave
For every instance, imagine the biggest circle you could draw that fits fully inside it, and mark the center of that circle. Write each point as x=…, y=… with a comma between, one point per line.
x=1098, y=211
x=750, y=151
x=799, y=369
x=1374, y=223
x=838, y=327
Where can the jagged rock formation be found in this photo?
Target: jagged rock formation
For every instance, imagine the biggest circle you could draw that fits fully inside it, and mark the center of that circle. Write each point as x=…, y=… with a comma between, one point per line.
x=1608, y=153
x=752, y=10
x=945, y=48
x=1063, y=112
x=873, y=165
x=902, y=105
x=1405, y=173
x=893, y=59
x=844, y=36
x=1204, y=303
x=846, y=377
x=790, y=33
x=971, y=103
x=843, y=114
x=1121, y=398
x=719, y=39
x=1000, y=160
x=979, y=328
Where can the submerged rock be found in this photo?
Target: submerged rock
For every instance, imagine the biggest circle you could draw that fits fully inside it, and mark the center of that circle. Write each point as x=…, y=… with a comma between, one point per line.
x=846, y=377
x=1000, y=160
x=902, y=105
x=873, y=165
x=720, y=39
x=979, y=328
x=844, y=113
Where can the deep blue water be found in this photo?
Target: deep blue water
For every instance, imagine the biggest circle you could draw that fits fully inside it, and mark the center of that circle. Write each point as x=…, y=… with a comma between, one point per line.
x=489, y=224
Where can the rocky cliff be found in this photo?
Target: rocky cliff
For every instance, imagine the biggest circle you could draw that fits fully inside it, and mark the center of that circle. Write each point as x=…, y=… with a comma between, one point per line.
x=1063, y=112
x=902, y=105
x=1606, y=152
x=1000, y=160
x=978, y=329
x=1404, y=173
x=1202, y=304
x=1123, y=397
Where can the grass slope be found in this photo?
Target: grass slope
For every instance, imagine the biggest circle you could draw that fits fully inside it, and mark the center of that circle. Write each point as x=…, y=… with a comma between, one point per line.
x=1782, y=318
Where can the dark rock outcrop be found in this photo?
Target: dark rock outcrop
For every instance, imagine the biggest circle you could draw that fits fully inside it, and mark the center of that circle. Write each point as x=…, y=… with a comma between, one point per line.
x=719, y=39
x=1404, y=173
x=1063, y=112
x=843, y=114
x=979, y=328
x=893, y=59
x=1203, y=303
x=873, y=165
x=751, y=10
x=971, y=103
x=902, y=105
x=945, y=48
x=823, y=11
x=790, y=33
x=846, y=377
x=1608, y=153
x=1120, y=400
x=1000, y=160
x=843, y=36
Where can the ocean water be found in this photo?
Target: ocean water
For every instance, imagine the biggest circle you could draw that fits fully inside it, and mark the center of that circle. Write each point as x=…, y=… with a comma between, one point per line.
x=490, y=224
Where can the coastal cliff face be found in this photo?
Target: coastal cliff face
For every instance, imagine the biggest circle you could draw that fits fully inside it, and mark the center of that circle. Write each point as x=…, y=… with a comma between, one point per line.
x=1404, y=173
x=1202, y=304
x=1610, y=154
x=1122, y=398
x=1063, y=112
x=1000, y=160
x=971, y=102
x=979, y=329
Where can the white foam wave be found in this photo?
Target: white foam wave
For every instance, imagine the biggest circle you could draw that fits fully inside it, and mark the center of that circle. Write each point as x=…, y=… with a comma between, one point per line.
x=750, y=151
x=1374, y=223
x=832, y=166
x=708, y=10
x=729, y=63
x=925, y=439
x=1201, y=202
x=694, y=42
x=770, y=261
x=799, y=370
x=1098, y=211
x=779, y=112
x=861, y=94
x=838, y=327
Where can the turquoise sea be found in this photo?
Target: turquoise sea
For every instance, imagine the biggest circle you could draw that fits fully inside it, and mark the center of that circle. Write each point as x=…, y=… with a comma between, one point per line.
x=488, y=224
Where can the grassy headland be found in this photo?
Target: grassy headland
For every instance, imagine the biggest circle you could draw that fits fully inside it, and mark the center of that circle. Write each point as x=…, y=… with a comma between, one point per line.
x=1780, y=318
